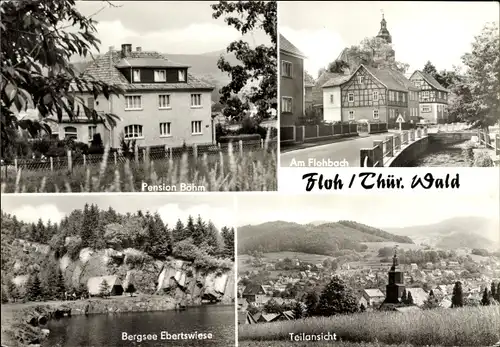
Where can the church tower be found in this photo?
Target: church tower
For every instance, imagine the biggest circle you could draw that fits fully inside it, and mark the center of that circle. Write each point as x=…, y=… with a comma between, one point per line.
x=395, y=288
x=383, y=32
x=385, y=56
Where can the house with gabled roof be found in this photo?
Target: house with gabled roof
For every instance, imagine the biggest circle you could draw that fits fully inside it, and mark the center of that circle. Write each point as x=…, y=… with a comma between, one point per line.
x=292, y=85
x=163, y=103
x=433, y=98
x=371, y=297
x=255, y=294
x=371, y=95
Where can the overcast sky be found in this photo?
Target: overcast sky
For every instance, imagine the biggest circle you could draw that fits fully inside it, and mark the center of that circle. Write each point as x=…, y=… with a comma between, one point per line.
x=215, y=207
x=437, y=31
x=377, y=210
x=175, y=27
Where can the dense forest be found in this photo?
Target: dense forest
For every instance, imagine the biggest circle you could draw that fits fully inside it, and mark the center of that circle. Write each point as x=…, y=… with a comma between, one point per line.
x=38, y=246
x=326, y=239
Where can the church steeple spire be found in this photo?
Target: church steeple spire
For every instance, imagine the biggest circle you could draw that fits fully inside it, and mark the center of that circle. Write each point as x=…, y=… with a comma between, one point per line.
x=383, y=32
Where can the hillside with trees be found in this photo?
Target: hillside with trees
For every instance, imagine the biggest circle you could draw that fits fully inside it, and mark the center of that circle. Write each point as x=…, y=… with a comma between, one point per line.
x=41, y=261
x=325, y=239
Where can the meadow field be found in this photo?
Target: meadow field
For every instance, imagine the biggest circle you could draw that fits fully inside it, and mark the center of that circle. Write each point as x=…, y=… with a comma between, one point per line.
x=468, y=326
x=253, y=170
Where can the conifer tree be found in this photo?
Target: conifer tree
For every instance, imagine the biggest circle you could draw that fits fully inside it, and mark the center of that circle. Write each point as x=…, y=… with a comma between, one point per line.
x=404, y=296
x=212, y=238
x=493, y=290
x=228, y=237
x=199, y=231
x=298, y=310
x=33, y=288
x=60, y=285
x=104, y=288
x=457, y=299
x=409, y=300
x=179, y=233
x=312, y=300
x=362, y=308
x=87, y=233
x=485, y=301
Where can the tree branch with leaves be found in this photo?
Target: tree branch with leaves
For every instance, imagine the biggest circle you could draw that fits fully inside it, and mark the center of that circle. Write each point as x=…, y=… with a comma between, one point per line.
x=257, y=64
x=35, y=65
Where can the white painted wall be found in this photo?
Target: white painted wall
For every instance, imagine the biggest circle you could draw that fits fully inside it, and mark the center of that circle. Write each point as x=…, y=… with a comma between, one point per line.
x=332, y=110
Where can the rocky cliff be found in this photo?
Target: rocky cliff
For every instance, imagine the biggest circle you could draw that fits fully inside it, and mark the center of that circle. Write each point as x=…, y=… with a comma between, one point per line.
x=173, y=277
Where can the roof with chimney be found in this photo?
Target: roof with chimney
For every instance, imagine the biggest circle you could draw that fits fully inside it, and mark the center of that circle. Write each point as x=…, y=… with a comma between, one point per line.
x=106, y=68
x=287, y=47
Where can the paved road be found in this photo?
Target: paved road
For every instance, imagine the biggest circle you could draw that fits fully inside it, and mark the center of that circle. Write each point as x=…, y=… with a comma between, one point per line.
x=343, y=151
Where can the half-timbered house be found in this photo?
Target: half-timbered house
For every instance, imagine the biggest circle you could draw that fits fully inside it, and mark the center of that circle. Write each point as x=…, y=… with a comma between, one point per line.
x=373, y=95
x=433, y=98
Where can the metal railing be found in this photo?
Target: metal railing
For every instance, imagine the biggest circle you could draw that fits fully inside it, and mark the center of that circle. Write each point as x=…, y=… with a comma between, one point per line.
x=394, y=143
x=116, y=157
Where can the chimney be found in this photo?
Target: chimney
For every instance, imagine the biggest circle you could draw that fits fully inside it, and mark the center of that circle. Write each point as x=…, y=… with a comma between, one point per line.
x=126, y=49
x=138, y=49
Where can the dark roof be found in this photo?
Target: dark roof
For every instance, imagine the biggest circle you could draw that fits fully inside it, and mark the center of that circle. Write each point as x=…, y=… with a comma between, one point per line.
x=317, y=92
x=403, y=80
x=386, y=76
x=253, y=289
x=432, y=81
x=287, y=46
x=148, y=62
x=336, y=81
x=104, y=68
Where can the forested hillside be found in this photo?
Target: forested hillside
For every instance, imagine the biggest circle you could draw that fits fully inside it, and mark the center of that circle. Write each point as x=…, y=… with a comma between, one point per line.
x=33, y=253
x=325, y=239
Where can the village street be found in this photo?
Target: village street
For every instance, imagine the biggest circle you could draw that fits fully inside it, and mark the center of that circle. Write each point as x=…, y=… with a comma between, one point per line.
x=338, y=151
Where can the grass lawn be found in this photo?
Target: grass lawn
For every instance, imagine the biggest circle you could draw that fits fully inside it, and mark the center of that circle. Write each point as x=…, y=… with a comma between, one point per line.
x=468, y=326
x=250, y=171
x=313, y=344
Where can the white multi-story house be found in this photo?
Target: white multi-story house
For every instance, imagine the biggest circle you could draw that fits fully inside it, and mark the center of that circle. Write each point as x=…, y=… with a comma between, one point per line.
x=163, y=104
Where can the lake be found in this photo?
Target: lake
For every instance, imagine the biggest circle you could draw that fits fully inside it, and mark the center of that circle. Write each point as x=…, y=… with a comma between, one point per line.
x=102, y=330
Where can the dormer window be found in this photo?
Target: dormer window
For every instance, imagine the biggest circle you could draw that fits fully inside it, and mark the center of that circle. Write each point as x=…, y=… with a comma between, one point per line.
x=182, y=76
x=160, y=76
x=136, y=75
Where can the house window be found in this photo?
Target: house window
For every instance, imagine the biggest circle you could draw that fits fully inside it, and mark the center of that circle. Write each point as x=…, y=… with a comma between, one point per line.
x=425, y=95
x=404, y=97
x=351, y=115
x=70, y=133
x=360, y=79
x=133, y=102
x=331, y=98
x=163, y=101
x=160, y=76
x=136, y=75
x=375, y=95
x=286, y=104
x=92, y=131
x=91, y=102
x=182, y=76
x=286, y=69
x=133, y=131
x=350, y=97
x=425, y=108
x=195, y=100
x=375, y=114
x=196, y=127
x=165, y=129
